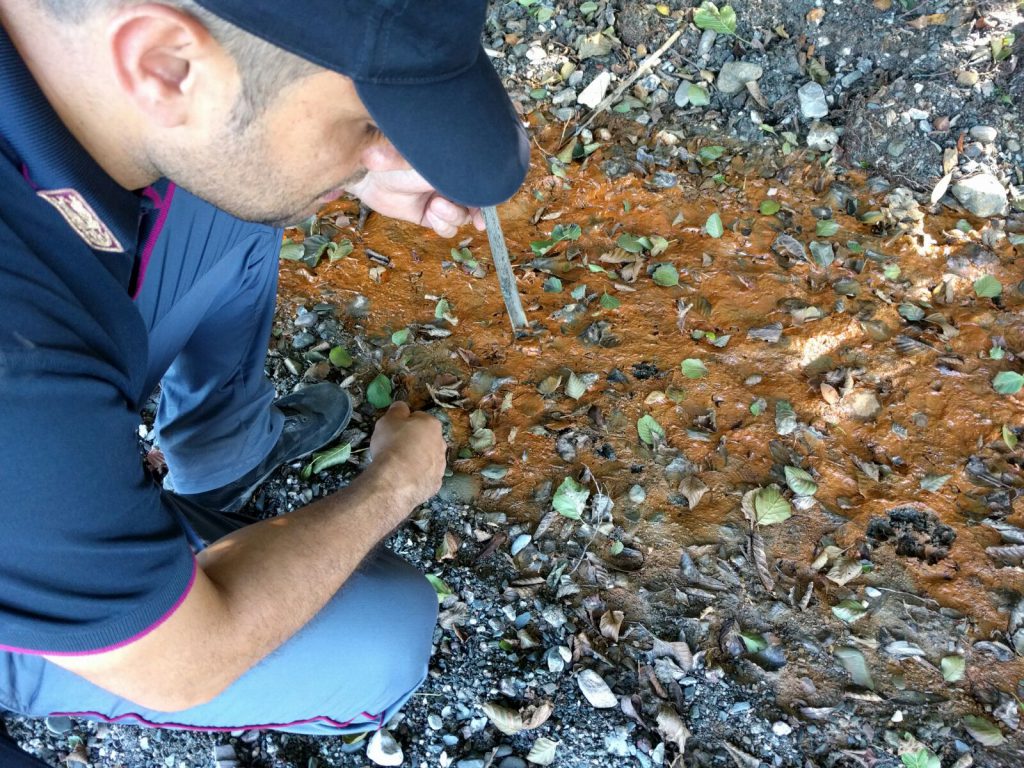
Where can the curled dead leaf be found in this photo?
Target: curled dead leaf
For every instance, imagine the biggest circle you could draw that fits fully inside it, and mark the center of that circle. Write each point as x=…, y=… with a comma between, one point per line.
x=611, y=624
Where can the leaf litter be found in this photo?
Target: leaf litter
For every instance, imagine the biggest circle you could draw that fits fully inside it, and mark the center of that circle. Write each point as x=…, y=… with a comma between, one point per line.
x=796, y=310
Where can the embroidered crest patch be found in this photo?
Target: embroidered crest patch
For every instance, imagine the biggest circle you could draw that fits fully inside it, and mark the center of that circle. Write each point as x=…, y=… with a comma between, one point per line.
x=82, y=218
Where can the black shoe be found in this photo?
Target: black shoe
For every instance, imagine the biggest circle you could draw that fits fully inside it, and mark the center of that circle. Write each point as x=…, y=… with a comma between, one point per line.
x=313, y=417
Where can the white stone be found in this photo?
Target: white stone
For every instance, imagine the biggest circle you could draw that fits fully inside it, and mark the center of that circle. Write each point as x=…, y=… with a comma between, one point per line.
x=812, y=101
x=384, y=750
x=780, y=728
x=594, y=93
x=982, y=195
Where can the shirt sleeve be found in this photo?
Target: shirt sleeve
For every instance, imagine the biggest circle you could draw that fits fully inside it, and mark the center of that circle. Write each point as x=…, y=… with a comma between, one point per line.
x=89, y=557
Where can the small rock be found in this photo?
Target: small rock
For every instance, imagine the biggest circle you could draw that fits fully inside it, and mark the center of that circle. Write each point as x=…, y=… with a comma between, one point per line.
x=734, y=76
x=812, y=101
x=594, y=93
x=917, y=114
x=822, y=137
x=637, y=494
x=383, y=749
x=682, y=94
x=984, y=133
x=460, y=488
x=564, y=97
x=780, y=728
x=968, y=78
x=58, y=725
x=512, y=762
x=224, y=756
x=303, y=339
x=982, y=195
x=435, y=722
x=864, y=405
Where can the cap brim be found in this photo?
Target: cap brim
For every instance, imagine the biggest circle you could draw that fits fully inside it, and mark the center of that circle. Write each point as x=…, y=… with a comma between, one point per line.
x=462, y=135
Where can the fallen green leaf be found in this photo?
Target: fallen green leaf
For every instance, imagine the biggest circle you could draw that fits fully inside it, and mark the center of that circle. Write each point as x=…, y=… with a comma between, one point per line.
x=1009, y=437
x=647, y=427
x=340, y=357
x=922, y=758
x=770, y=207
x=953, y=668
x=754, y=643
x=708, y=16
x=442, y=308
x=326, y=459
x=442, y=589
x=379, y=391
x=398, y=338
x=770, y=507
x=570, y=499
x=987, y=287
x=800, y=482
x=694, y=368
x=849, y=611
x=666, y=275
x=713, y=226
x=610, y=302
x=697, y=95
x=1008, y=382
x=983, y=731
x=553, y=285
x=711, y=153
x=826, y=227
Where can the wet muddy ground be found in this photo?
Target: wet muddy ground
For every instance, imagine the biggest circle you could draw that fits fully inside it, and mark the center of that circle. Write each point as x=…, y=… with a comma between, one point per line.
x=835, y=329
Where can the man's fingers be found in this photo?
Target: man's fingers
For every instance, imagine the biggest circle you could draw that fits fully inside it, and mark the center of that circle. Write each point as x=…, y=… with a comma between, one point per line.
x=399, y=408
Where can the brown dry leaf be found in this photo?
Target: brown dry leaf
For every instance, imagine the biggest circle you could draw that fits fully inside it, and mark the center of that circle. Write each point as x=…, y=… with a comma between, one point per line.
x=929, y=20
x=681, y=309
x=755, y=91
x=845, y=570
x=747, y=507
x=449, y=546
x=508, y=721
x=679, y=651
x=760, y=558
x=672, y=728
x=950, y=158
x=79, y=756
x=882, y=5
x=693, y=488
x=538, y=715
x=829, y=393
x=611, y=624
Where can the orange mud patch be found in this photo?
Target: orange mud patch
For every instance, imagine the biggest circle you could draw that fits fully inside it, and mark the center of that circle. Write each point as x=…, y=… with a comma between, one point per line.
x=941, y=400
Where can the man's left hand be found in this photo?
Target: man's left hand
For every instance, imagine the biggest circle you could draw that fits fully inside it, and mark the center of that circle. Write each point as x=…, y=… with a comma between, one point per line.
x=393, y=188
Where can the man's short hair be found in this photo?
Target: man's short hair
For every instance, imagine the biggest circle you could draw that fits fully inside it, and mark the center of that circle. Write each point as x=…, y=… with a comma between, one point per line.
x=264, y=68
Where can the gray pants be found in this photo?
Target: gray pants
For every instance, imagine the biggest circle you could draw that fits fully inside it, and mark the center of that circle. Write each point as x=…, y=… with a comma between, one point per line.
x=208, y=301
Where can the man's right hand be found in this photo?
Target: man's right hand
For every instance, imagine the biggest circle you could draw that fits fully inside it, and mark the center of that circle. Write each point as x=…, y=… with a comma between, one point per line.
x=413, y=446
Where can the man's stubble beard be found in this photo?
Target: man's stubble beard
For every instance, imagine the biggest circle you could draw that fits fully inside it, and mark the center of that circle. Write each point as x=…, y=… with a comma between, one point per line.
x=233, y=174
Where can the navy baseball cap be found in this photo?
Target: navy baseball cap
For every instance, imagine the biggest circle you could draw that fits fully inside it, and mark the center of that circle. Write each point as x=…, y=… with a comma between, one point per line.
x=421, y=71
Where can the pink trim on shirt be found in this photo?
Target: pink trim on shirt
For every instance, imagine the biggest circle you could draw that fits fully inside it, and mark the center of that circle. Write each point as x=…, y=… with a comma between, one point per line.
x=164, y=206
x=217, y=728
x=123, y=643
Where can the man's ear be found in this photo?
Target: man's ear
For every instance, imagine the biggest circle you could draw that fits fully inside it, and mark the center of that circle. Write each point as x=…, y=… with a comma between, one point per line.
x=156, y=51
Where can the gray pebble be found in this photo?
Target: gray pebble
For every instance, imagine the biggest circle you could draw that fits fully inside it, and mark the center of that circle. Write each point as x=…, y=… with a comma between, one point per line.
x=822, y=137
x=984, y=133
x=637, y=494
x=734, y=76
x=812, y=101
x=303, y=340
x=512, y=762
x=58, y=725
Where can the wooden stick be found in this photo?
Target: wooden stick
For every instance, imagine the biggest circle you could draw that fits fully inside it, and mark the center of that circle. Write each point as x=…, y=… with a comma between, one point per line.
x=502, y=265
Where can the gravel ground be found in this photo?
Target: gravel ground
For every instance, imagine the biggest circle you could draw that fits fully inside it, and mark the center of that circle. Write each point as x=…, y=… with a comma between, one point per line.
x=887, y=87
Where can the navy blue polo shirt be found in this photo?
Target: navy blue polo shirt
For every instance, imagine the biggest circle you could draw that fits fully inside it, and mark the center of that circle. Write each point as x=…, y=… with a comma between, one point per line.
x=89, y=557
